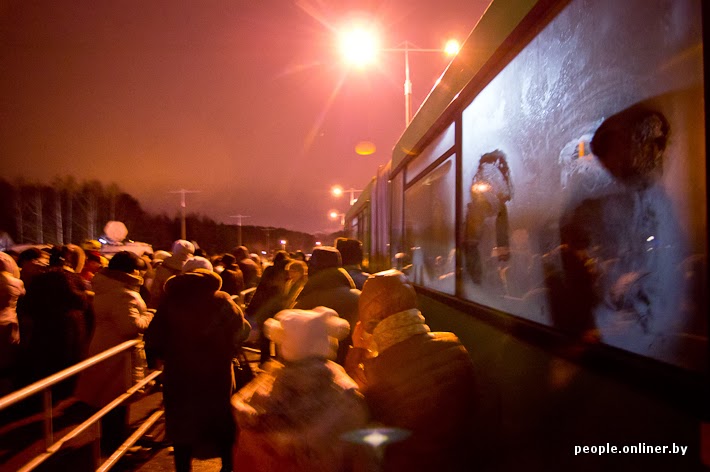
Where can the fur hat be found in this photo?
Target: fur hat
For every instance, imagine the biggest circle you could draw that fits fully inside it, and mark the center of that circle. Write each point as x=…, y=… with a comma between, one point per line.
x=126, y=261
x=350, y=250
x=384, y=294
x=197, y=262
x=182, y=248
x=302, y=334
x=324, y=257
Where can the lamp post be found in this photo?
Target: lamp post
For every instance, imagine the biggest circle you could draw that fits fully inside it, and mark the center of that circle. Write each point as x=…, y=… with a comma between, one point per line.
x=338, y=191
x=183, y=207
x=359, y=47
x=239, y=223
x=334, y=215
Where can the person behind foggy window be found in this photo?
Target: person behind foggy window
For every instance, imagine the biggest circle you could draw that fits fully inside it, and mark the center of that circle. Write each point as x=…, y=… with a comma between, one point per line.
x=490, y=191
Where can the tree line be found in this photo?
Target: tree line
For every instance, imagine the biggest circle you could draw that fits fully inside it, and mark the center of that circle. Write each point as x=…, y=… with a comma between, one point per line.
x=71, y=211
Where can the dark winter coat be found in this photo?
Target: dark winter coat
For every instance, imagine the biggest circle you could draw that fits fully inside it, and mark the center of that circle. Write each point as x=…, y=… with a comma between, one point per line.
x=196, y=332
x=334, y=289
x=55, y=324
x=425, y=384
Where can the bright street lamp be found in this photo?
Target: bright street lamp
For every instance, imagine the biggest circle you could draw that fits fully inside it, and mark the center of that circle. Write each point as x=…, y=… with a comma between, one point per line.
x=338, y=191
x=360, y=47
x=334, y=215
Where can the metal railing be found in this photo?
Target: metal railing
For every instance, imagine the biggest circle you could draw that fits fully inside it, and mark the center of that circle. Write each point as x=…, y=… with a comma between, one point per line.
x=44, y=386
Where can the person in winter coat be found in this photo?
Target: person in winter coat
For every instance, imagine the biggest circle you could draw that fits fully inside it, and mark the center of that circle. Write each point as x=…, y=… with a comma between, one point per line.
x=232, y=277
x=292, y=415
x=11, y=288
x=196, y=331
x=182, y=251
x=413, y=379
x=56, y=321
x=269, y=298
x=330, y=285
x=249, y=268
x=120, y=315
x=351, y=252
x=297, y=278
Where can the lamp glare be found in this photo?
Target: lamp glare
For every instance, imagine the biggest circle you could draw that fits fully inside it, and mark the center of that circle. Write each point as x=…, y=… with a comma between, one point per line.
x=452, y=47
x=359, y=47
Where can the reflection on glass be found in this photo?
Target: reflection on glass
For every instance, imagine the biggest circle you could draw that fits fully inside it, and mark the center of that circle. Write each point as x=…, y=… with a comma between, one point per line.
x=429, y=207
x=605, y=236
x=486, y=235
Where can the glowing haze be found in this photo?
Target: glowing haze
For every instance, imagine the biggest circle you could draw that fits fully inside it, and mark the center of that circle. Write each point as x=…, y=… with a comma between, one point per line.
x=246, y=102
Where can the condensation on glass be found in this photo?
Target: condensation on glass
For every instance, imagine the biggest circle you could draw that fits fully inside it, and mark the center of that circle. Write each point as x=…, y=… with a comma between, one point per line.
x=584, y=193
x=429, y=229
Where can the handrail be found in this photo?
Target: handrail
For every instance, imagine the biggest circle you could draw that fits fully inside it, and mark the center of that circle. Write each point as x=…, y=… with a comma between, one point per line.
x=53, y=379
x=86, y=424
x=43, y=386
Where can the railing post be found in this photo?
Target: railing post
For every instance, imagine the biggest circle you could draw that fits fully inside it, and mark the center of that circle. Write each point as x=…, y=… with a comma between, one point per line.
x=48, y=428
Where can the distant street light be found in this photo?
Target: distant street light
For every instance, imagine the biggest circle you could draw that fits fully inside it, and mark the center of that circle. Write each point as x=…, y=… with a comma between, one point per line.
x=183, y=206
x=360, y=46
x=239, y=223
x=338, y=191
x=334, y=215
x=283, y=244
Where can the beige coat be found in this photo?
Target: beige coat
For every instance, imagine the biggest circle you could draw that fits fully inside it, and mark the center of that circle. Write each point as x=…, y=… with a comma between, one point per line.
x=120, y=315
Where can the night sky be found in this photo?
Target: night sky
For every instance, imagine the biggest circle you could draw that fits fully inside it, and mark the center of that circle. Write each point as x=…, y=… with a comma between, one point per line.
x=245, y=101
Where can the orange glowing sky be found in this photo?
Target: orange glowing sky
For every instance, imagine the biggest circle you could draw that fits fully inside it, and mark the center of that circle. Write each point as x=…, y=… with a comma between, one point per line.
x=243, y=100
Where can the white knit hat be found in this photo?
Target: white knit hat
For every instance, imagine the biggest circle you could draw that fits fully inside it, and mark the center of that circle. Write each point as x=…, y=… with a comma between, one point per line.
x=307, y=333
x=197, y=262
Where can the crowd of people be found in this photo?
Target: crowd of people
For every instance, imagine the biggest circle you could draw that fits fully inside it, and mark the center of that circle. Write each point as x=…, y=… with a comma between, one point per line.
x=342, y=350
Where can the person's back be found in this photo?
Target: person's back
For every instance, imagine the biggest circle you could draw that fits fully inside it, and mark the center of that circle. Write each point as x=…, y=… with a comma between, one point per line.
x=249, y=269
x=351, y=253
x=292, y=415
x=120, y=315
x=197, y=331
x=425, y=385
x=420, y=381
x=55, y=322
x=11, y=289
x=181, y=251
x=232, y=276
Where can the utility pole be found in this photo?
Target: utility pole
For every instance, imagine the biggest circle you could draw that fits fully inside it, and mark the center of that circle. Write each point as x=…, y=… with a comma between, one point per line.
x=268, y=231
x=183, y=206
x=239, y=223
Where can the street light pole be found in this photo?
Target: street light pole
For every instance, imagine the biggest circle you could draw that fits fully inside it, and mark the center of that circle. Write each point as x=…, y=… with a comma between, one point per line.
x=239, y=223
x=407, y=78
x=407, y=87
x=337, y=191
x=183, y=208
x=359, y=47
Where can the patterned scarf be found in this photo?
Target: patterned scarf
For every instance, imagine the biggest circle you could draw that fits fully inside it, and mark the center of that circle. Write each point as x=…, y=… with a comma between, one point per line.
x=398, y=327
